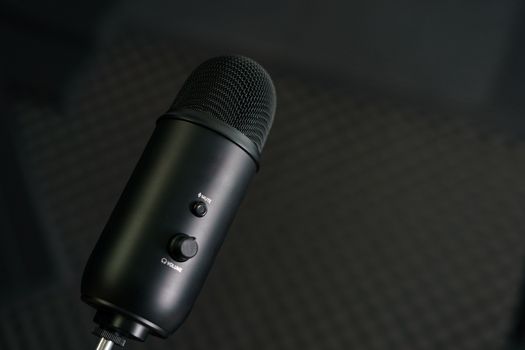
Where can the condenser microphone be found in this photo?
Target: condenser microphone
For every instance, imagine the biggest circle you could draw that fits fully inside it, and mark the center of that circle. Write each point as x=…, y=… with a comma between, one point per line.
x=155, y=251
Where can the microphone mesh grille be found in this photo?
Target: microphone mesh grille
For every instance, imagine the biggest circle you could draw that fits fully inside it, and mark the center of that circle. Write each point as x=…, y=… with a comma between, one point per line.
x=235, y=90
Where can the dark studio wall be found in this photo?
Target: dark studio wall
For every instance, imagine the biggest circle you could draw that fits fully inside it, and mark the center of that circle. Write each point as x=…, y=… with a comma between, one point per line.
x=388, y=211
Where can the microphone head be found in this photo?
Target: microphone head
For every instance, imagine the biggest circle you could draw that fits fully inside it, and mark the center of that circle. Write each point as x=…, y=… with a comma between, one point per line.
x=235, y=90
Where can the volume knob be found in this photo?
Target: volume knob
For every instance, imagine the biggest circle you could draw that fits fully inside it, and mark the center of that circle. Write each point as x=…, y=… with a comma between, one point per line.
x=183, y=247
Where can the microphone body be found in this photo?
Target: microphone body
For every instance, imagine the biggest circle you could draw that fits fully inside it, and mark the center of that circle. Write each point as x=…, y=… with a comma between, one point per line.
x=133, y=272
x=155, y=252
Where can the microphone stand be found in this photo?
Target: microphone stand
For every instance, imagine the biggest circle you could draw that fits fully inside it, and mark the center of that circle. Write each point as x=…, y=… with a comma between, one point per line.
x=104, y=344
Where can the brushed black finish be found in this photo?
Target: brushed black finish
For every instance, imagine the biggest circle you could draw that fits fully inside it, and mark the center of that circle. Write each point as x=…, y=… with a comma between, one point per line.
x=130, y=273
x=205, y=119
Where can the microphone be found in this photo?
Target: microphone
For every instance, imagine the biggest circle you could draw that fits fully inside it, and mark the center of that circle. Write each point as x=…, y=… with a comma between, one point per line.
x=159, y=243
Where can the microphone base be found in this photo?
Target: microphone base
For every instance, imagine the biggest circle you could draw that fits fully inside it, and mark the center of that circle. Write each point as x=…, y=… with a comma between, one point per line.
x=118, y=326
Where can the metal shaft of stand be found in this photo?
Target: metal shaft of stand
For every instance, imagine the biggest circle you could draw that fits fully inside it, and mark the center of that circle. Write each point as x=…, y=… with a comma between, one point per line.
x=104, y=344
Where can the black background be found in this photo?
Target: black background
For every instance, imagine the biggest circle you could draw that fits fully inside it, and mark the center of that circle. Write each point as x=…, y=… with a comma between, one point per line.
x=388, y=211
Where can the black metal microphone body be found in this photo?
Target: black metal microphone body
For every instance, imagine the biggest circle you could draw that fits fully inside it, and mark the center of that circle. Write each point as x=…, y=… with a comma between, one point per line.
x=155, y=252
